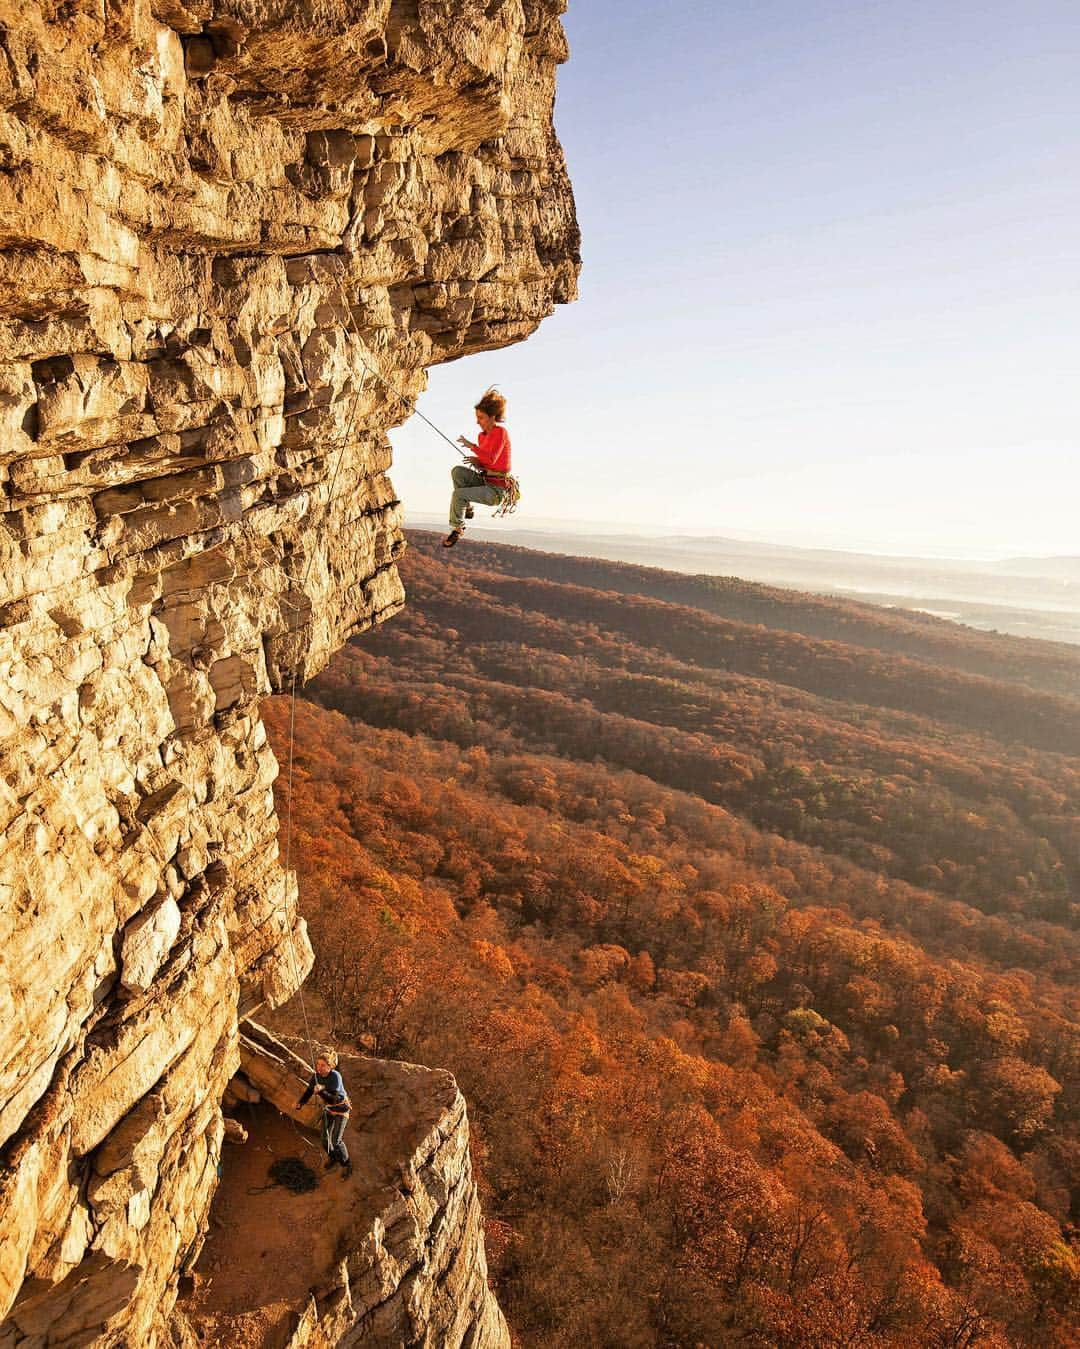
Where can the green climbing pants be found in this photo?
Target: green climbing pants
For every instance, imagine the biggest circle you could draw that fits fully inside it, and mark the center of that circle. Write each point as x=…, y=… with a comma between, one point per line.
x=469, y=485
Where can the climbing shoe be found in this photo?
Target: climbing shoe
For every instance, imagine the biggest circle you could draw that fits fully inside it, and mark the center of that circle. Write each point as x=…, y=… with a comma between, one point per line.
x=452, y=538
x=346, y=1171
x=330, y=1163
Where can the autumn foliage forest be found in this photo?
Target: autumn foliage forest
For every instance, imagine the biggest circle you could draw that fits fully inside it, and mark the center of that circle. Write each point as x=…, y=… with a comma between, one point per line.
x=746, y=921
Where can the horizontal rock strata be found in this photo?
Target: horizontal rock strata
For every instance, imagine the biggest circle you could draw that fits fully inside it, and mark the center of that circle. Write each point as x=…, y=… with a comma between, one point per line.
x=223, y=224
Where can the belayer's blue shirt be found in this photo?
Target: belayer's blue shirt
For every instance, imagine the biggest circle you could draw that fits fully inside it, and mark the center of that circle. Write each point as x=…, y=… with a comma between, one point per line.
x=331, y=1091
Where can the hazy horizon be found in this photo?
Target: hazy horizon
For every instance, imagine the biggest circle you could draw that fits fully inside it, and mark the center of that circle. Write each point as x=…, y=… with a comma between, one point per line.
x=1024, y=596
x=830, y=287
x=636, y=529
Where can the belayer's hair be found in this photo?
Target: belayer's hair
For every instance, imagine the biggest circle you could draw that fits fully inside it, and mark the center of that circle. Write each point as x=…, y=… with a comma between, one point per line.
x=494, y=404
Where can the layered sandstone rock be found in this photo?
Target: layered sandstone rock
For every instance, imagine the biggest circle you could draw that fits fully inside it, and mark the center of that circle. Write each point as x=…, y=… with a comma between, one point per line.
x=223, y=224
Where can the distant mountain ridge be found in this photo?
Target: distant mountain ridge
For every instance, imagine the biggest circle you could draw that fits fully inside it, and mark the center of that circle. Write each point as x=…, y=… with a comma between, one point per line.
x=1024, y=596
x=1052, y=667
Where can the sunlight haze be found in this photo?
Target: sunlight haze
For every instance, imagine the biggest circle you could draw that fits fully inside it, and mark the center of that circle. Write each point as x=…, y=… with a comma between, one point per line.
x=830, y=287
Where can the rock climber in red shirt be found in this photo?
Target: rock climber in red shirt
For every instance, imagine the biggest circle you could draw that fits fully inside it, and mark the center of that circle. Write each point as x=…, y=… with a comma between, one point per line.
x=488, y=480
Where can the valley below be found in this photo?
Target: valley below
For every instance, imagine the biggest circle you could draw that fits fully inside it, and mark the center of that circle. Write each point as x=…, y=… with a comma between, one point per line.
x=745, y=920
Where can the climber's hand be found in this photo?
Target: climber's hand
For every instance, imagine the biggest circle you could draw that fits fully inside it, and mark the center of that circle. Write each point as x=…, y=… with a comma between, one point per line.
x=467, y=443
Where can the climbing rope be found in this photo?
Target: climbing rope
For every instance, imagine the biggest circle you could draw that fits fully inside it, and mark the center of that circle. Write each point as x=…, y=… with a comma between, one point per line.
x=512, y=488
x=506, y=506
x=290, y=1173
x=413, y=408
x=345, y=438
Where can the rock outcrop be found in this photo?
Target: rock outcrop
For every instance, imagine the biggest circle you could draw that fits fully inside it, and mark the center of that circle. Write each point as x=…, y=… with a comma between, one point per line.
x=396, y=1254
x=228, y=230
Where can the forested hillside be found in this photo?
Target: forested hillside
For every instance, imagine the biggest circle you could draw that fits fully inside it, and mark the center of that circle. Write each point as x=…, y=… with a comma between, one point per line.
x=746, y=921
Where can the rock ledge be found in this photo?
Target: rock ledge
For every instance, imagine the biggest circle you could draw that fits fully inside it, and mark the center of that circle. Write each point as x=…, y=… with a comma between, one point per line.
x=394, y=1255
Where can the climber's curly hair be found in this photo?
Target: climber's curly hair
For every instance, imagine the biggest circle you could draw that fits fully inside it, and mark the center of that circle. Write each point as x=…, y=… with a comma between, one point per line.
x=493, y=403
x=328, y=1056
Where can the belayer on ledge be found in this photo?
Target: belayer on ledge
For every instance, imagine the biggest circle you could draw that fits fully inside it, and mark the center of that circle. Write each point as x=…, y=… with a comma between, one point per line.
x=485, y=476
x=327, y=1081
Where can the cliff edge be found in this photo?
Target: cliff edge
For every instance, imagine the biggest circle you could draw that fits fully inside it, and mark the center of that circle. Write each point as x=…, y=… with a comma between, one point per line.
x=223, y=224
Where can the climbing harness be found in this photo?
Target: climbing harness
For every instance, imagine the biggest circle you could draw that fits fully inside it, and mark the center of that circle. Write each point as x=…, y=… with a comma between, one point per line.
x=511, y=496
x=339, y=1108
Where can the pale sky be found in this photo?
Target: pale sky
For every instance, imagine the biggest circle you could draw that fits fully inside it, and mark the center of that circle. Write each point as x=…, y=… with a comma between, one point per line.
x=831, y=291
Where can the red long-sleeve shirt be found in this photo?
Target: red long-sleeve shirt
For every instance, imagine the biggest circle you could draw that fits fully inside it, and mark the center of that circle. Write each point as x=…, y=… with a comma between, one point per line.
x=493, y=452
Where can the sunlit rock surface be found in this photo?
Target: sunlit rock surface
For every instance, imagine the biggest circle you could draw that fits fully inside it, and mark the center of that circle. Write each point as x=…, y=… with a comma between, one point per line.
x=220, y=222
x=392, y=1254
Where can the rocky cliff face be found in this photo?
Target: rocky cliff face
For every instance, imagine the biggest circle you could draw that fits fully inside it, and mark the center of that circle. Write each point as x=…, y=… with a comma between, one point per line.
x=221, y=221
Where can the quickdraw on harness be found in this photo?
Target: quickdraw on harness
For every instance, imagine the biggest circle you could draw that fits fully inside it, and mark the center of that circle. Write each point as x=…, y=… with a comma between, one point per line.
x=511, y=490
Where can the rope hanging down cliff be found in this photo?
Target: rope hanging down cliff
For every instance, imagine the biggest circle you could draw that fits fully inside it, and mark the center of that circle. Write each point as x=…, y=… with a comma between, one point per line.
x=346, y=436
x=507, y=506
